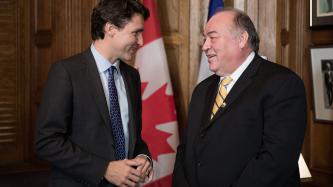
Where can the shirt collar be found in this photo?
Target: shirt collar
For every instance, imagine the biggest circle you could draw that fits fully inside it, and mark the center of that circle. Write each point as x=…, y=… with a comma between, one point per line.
x=239, y=71
x=102, y=63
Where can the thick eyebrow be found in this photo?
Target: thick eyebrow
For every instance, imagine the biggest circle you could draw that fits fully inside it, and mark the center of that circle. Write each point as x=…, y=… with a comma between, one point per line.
x=212, y=32
x=209, y=33
x=138, y=30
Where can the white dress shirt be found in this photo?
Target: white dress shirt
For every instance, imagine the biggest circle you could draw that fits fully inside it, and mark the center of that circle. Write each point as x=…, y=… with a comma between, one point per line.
x=103, y=65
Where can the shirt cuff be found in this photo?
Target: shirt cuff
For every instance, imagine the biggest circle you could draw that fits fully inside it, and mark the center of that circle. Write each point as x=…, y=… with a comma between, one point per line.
x=150, y=160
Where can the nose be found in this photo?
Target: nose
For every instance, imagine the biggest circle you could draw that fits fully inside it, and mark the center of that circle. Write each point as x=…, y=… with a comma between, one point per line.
x=140, y=39
x=206, y=44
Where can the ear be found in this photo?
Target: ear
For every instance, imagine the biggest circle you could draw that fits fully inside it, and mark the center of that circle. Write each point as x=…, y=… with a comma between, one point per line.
x=243, y=38
x=110, y=29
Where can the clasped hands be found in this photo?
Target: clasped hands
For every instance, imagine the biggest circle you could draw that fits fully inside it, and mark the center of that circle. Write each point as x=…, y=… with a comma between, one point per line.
x=129, y=172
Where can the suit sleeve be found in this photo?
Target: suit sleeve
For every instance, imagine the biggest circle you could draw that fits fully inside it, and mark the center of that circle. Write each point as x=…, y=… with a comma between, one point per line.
x=178, y=177
x=284, y=128
x=52, y=141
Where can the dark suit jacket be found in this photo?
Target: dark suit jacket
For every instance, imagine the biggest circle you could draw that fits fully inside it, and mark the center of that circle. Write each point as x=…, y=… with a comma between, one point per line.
x=255, y=140
x=73, y=128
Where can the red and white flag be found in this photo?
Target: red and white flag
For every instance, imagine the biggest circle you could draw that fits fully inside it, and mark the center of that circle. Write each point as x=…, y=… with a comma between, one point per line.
x=159, y=122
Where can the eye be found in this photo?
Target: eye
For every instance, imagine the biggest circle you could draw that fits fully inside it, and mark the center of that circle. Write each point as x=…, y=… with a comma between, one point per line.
x=136, y=34
x=213, y=38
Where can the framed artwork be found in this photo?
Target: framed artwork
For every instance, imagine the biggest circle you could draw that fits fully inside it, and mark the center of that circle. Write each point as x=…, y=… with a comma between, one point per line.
x=321, y=13
x=322, y=77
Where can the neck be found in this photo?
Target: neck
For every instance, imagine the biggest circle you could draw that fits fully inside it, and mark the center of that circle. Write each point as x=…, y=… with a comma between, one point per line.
x=102, y=47
x=234, y=63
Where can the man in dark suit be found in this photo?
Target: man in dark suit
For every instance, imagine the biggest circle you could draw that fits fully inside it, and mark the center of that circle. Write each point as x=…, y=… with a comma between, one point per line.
x=246, y=132
x=89, y=121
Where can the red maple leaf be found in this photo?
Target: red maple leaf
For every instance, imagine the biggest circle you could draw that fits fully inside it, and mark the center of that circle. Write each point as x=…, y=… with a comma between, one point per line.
x=158, y=108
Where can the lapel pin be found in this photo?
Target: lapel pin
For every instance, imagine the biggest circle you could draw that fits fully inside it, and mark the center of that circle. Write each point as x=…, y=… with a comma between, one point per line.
x=223, y=104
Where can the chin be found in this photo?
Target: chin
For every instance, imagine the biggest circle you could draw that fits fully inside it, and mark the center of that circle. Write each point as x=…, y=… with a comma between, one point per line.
x=212, y=68
x=127, y=58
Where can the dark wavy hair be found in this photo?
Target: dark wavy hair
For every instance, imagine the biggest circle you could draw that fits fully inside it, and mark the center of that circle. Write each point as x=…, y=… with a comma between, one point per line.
x=116, y=12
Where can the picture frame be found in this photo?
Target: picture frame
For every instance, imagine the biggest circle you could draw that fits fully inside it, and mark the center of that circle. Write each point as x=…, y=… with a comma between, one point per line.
x=321, y=13
x=322, y=78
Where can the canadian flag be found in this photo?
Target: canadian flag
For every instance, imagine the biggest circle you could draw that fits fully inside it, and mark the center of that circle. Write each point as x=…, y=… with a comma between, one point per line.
x=159, y=122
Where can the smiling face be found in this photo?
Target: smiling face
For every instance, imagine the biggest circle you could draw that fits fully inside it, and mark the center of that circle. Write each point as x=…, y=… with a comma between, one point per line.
x=125, y=41
x=222, y=44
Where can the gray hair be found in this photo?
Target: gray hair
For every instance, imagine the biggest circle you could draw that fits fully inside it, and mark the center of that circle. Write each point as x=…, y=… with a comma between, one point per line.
x=243, y=22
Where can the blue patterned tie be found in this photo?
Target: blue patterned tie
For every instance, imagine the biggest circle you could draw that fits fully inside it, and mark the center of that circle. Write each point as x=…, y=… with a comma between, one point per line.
x=116, y=124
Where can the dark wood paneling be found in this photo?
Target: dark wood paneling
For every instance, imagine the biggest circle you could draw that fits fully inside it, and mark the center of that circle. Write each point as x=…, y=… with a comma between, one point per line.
x=11, y=141
x=33, y=35
x=321, y=134
x=61, y=29
x=35, y=179
x=317, y=147
x=322, y=37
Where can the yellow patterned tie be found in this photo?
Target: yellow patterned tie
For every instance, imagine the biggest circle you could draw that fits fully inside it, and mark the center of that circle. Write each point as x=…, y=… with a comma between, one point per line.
x=220, y=95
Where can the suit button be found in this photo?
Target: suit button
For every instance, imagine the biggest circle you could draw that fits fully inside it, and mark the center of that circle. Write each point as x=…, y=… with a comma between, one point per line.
x=202, y=135
x=198, y=164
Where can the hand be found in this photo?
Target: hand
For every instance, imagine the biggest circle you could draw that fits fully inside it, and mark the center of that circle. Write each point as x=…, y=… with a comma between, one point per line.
x=145, y=168
x=122, y=173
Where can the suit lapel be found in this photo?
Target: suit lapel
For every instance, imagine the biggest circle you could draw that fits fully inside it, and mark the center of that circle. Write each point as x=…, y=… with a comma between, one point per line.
x=131, y=94
x=212, y=89
x=242, y=83
x=94, y=84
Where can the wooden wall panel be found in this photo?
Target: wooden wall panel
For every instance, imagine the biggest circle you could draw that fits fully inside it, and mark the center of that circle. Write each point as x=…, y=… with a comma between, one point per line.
x=62, y=28
x=267, y=28
x=42, y=38
x=322, y=147
x=169, y=12
x=198, y=15
x=174, y=20
x=67, y=28
x=85, y=15
x=11, y=141
x=258, y=10
x=15, y=127
x=43, y=15
x=252, y=9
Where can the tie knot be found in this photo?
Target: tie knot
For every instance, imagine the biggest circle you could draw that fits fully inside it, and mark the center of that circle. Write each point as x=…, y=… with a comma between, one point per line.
x=227, y=80
x=111, y=70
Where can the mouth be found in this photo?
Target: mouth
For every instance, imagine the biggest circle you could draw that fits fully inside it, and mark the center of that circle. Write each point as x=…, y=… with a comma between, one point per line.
x=134, y=49
x=209, y=56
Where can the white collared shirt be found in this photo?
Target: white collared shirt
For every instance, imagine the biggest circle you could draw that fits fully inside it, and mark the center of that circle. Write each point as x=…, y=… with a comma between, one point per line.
x=239, y=71
x=103, y=65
